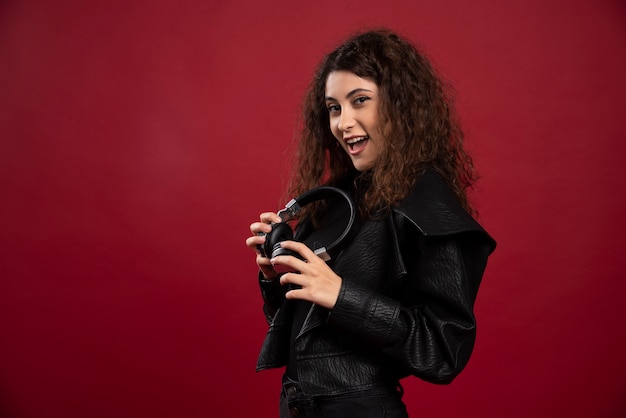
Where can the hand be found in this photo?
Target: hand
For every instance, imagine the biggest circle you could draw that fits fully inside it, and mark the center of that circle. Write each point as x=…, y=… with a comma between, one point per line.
x=319, y=283
x=255, y=240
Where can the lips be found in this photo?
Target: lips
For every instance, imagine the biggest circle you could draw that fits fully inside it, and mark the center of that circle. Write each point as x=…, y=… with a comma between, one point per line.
x=356, y=143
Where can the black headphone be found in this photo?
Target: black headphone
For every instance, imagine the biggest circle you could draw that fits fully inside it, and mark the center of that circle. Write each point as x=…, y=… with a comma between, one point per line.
x=281, y=231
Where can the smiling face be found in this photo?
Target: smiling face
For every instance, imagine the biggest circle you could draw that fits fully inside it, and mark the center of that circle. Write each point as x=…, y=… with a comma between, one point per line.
x=353, y=105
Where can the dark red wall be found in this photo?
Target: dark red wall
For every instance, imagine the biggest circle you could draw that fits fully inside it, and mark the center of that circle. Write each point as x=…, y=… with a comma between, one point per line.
x=140, y=139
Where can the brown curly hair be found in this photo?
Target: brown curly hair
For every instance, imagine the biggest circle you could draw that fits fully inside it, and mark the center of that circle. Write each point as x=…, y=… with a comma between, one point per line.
x=416, y=110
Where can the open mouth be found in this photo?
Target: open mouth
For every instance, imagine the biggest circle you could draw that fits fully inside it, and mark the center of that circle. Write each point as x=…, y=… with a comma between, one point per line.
x=357, y=143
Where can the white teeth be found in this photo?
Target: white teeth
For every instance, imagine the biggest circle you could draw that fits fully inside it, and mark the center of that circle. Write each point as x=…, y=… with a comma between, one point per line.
x=355, y=140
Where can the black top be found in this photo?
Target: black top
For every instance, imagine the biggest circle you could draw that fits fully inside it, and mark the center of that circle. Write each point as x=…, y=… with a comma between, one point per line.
x=405, y=306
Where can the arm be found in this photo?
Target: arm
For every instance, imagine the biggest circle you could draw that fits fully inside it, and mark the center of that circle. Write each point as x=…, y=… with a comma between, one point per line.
x=428, y=328
x=273, y=294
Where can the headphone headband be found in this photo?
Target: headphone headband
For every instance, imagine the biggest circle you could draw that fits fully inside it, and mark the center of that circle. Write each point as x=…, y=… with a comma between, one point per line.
x=293, y=207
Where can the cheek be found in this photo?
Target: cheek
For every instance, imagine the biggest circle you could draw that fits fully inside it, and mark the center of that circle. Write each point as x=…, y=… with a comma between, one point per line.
x=334, y=130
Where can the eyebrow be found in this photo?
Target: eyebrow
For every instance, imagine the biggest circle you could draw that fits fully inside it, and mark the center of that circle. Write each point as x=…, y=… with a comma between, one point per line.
x=350, y=94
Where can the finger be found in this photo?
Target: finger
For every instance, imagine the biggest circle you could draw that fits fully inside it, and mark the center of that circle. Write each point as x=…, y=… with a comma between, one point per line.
x=254, y=240
x=325, y=300
x=290, y=261
x=269, y=217
x=264, y=262
x=259, y=227
x=323, y=293
x=292, y=278
x=266, y=267
x=297, y=294
x=301, y=249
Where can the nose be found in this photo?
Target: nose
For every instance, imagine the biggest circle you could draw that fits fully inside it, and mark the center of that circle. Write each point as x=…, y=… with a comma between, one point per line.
x=345, y=120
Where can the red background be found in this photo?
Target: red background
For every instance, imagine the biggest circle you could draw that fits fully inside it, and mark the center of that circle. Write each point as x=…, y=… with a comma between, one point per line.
x=140, y=139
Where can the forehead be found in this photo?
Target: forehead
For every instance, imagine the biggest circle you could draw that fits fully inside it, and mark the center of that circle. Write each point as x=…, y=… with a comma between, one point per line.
x=339, y=84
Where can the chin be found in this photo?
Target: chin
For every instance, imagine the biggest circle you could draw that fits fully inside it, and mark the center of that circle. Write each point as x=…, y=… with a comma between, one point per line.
x=363, y=167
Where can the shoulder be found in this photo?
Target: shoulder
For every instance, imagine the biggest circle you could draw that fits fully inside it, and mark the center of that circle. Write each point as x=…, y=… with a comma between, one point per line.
x=435, y=211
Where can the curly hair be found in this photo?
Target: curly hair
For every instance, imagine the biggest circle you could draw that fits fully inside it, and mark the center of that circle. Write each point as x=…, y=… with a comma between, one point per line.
x=416, y=110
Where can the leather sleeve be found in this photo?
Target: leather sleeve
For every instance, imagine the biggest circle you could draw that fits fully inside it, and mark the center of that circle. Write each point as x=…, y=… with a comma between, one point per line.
x=273, y=294
x=427, y=326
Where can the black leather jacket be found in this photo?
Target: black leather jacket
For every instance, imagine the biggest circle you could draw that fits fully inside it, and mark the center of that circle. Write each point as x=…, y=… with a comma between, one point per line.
x=405, y=306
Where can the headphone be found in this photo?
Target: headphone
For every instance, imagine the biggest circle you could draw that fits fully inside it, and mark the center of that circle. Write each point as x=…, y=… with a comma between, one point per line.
x=281, y=231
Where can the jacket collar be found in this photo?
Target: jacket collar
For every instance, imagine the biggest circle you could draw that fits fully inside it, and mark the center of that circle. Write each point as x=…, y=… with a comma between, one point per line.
x=434, y=209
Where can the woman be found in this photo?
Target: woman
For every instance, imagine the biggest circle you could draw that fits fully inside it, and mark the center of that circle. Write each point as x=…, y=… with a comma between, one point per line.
x=398, y=299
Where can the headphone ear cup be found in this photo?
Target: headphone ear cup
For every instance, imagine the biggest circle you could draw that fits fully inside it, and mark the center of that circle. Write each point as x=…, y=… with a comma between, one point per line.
x=280, y=232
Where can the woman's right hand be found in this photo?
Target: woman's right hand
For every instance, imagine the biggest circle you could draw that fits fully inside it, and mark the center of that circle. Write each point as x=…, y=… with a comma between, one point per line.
x=263, y=226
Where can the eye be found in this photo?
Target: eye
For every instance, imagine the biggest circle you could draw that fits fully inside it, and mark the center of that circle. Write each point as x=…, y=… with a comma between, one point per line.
x=361, y=99
x=333, y=108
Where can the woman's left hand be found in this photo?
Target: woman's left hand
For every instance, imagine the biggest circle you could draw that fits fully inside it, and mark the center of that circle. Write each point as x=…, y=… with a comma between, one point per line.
x=319, y=283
